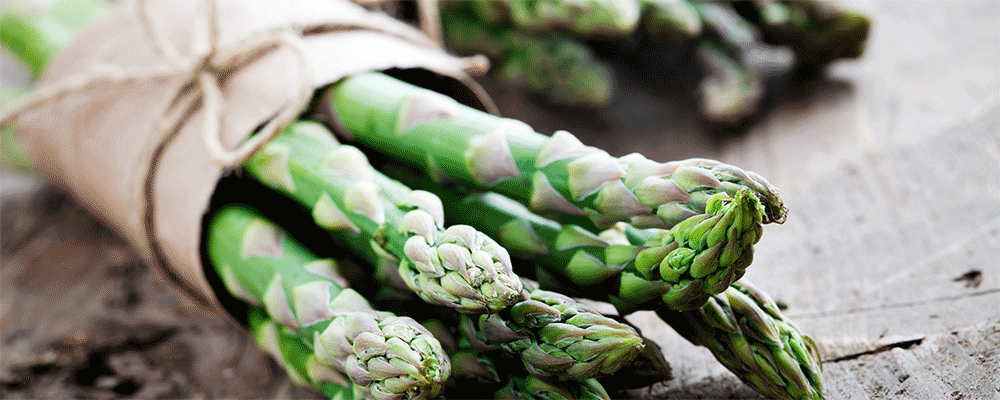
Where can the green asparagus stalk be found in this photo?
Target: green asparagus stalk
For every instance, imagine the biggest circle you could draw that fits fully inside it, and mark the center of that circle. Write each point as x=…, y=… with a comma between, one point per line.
x=671, y=20
x=558, y=337
x=728, y=92
x=382, y=219
x=678, y=268
x=12, y=151
x=555, y=174
x=747, y=333
x=296, y=357
x=744, y=41
x=476, y=368
x=819, y=32
x=34, y=31
x=648, y=368
x=393, y=357
x=552, y=65
x=537, y=332
x=614, y=18
x=738, y=66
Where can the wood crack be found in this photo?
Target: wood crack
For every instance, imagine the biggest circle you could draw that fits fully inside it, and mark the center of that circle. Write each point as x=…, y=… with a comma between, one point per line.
x=883, y=307
x=904, y=344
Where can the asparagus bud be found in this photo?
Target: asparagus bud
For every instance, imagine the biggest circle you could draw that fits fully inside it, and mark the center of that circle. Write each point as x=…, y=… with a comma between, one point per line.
x=559, y=337
x=297, y=358
x=393, y=357
x=385, y=221
x=474, y=367
x=557, y=174
x=748, y=334
x=703, y=254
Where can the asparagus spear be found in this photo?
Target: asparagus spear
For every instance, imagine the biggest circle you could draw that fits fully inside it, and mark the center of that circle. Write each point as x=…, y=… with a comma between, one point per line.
x=393, y=357
x=747, y=333
x=457, y=267
x=672, y=20
x=296, y=357
x=553, y=65
x=12, y=151
x=35, y=31
x=581, y=17
x=819, y=32
x=552, y=336
x=765, y=61
x=558, y=337
x=647, y=269
x=477, y=368
x=728, y=92
x=738, y=65
x=555, y=174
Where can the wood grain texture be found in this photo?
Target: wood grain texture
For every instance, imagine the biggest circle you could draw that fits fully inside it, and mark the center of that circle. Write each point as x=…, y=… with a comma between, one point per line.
x=83, y=318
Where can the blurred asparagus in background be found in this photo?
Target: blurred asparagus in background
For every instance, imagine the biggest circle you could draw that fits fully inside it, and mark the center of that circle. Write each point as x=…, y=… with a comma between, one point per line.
x=817, y=31
x=550, y=64
x=12, y=151
x=584, y=18
x=33, y=31
x=745, y=52
x=737, y=67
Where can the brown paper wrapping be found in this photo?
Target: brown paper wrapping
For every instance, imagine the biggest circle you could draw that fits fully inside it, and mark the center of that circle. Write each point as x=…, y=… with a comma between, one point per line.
x=134, y=150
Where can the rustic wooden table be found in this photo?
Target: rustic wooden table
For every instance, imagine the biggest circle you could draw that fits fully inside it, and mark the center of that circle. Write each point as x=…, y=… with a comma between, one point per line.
x=890, y=166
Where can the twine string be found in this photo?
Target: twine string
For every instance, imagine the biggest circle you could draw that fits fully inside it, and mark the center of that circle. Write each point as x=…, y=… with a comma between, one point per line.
x=204, y=68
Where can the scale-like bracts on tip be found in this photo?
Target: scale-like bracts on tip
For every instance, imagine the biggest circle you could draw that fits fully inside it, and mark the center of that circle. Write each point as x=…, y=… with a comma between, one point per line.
x=558, y=337
x=296, y=357
x=391, y=357
x=386, y=222
x=629, y=267
x=483, y=371
x=746, y=332
x=555, y=175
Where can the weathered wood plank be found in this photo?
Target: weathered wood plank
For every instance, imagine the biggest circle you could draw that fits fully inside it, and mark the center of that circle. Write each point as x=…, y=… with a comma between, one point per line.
x=928, y=66
x=83, y=318
x=958, y=365
x=955, y=367
x=983, y=345
x=876, y=254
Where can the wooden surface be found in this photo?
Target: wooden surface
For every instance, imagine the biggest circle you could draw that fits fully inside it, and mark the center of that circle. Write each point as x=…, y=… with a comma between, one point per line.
x=890, y=167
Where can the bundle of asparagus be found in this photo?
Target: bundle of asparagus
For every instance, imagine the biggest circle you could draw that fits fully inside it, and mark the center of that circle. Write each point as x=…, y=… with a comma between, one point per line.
x=634, y=232
x=744, y=51
x=742, y=327
x=392, y=357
